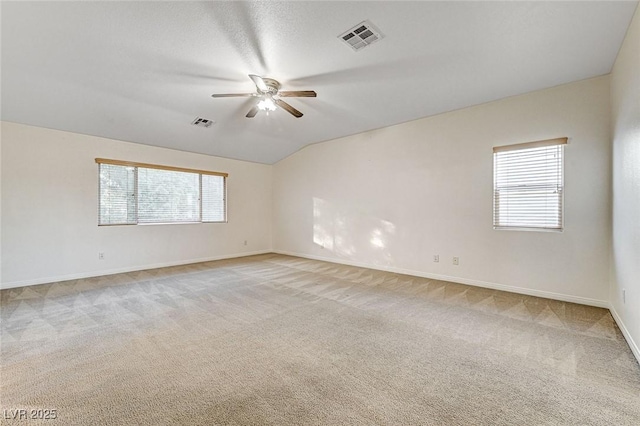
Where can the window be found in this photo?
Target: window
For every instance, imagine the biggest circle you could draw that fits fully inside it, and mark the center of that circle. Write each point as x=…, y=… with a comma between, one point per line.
x=528, y=187
x=133, y=193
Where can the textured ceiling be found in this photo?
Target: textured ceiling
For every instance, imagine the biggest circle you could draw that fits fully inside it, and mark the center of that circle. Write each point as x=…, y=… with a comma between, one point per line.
x=142, y=71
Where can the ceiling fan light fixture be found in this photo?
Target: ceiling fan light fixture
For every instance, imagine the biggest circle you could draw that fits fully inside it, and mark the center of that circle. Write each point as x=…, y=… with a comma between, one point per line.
x=267, y=104
x=269, y=95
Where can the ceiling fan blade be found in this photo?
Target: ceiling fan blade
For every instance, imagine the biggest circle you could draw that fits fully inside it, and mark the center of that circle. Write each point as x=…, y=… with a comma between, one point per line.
x=285, y=106
x=252, y=112
x=233, y=95
x=260, y=84
x=297, y=94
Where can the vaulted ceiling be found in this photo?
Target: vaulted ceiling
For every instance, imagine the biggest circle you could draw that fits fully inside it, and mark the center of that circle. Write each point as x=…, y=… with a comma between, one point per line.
x=143, y=71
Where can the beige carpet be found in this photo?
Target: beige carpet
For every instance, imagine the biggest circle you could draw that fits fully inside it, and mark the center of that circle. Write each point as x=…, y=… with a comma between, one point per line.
x=281, y=340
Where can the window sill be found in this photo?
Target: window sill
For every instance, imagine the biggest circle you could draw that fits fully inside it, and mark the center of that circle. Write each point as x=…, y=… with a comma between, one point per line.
x=517, y=228
x=160, y=223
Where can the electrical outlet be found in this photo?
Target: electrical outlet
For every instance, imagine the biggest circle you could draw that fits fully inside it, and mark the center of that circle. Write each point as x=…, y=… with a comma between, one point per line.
x=245, y=242
x=436, y=258
x=624, y=296
x=100, y=256
x=456, y=261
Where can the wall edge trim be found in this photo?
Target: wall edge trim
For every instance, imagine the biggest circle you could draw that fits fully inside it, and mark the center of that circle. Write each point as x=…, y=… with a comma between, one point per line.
x=477, y=283
x=635, y=349
x=47, y=280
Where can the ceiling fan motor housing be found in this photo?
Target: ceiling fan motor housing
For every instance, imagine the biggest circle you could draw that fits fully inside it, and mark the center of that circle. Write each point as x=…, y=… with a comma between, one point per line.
x=272, y=86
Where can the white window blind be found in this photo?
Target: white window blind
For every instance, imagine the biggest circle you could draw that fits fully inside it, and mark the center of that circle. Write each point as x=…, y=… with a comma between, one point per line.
x=528, y=185
x=117, y=195
x=132, y=193
x=167, y=196
x=213, y=190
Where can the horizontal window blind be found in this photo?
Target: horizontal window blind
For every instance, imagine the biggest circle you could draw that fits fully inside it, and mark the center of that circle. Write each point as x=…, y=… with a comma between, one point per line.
x=168, y=196
x=117, y=195
x=528, y=185
x=130, y=194
x=213, y=198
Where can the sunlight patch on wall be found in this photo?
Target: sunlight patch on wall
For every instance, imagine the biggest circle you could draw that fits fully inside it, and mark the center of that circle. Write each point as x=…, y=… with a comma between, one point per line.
x=376, y=238
x=352, y=234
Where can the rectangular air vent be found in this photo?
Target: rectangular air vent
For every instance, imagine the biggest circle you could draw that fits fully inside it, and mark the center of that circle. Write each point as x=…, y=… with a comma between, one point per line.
x=361, y=36
x=202, y=122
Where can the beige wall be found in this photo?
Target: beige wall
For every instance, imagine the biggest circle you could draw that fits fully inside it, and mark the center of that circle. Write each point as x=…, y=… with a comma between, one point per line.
x=394, y=197
x=50, y=201
x=625, y=112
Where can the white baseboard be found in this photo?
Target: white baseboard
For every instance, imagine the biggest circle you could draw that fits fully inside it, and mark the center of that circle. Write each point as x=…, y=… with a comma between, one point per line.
x=477, y=283
x=46, y=280
x=632, y=344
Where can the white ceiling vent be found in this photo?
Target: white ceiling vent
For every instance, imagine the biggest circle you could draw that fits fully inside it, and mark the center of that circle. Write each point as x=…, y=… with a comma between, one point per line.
x=361, y=36
x=202, y=122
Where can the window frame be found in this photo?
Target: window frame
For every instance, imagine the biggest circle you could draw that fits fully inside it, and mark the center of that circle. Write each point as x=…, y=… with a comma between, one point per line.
x=557, y=142
x=137, y=165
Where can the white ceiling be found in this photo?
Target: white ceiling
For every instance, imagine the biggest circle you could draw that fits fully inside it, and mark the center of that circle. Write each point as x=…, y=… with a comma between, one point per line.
x=142, y=71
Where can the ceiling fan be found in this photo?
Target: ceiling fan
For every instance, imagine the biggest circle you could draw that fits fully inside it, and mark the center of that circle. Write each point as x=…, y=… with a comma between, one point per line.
x=268, y=90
